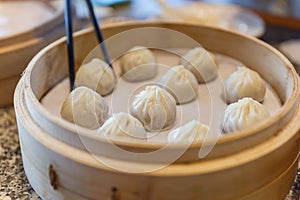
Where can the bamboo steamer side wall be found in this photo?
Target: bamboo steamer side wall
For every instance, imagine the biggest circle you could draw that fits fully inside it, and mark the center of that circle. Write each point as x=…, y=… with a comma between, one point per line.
x=79, y=175
x=15, y=57
x=257, y=163
x=278, y=187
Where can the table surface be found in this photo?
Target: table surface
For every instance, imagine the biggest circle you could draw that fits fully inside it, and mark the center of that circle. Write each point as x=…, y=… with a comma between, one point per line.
x=14, y=184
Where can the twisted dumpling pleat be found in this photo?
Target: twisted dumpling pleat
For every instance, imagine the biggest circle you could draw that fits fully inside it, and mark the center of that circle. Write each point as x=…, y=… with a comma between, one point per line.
x=85, y=107
x=244, y=83
x=155, y=108
x=181, y=83
x=243, y=114
x=96, y=75
x=123, y=125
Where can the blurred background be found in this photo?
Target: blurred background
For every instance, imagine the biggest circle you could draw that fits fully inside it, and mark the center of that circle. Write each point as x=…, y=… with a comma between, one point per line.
x=26, y=26
x=279, y=18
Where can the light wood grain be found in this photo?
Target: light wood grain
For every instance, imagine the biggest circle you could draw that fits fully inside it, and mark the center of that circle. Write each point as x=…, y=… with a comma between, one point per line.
x=18, y=49
x=251, y=164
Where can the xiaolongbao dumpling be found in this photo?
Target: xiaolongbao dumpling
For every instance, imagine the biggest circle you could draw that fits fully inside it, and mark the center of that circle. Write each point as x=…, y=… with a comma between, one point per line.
x=85, y=107
x=138, y=64
x=243, y=114
x=96, y=75
x=244, y=83
x=123, y=125
x=201, y=63
x=181, y=83
x=155, y=108
x=190, y=132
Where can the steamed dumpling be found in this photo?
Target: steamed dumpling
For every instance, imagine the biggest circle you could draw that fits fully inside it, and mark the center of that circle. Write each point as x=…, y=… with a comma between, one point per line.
x=155, y=108
x=201, y=63
x=181, y=83
x=123, y=125
x=138, y=64
x=190, y=132
x=85, y=107
x=244, y=83
x=96, y=75
x=243, y=114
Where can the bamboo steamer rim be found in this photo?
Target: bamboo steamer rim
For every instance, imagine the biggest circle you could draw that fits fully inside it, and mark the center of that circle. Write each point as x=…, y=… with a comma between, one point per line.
x=43, y=28
x=286, y=107
x=174, y=170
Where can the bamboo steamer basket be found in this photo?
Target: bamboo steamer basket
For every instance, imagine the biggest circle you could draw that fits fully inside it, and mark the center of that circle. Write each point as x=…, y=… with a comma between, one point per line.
x=256, y=163
x=18, y=48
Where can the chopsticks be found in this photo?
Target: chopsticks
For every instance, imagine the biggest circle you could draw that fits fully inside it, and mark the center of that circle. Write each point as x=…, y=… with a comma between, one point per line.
x=98, y=31
x=69, y=34
x=70, y=46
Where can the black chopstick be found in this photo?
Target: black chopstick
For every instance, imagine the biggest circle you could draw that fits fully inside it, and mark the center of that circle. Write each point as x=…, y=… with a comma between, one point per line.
x=98, y=31
x=69, y=34
x=70, y=46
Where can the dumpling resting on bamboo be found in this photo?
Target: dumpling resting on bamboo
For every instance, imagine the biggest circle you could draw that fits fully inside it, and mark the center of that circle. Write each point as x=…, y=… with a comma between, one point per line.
x=244, y=113
x=155, y=108
x=123, y=125
x=138, y=64
x=96, y=75
x=181, y=83
x=201, y=63
x=85, y=107
x=244, y=83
